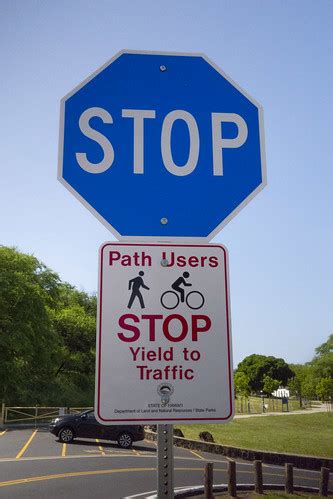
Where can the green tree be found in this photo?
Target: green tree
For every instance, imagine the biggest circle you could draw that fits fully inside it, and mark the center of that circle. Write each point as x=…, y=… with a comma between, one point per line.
x=324, y=389
x=295, y=384
x=242, y=384
x=303, y=383
x=322, y=363
x=257, y=366
x=270, y=385
x=325, y=348
x=28, y=343
x=308, y=376
x=242, y=388
x=309, y=387
x=75, y=323
x=47, y=335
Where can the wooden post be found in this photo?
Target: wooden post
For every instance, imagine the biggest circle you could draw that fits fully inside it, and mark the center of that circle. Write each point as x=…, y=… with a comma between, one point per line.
x=208, y=493
x=289, y=487
x=258, y=485
x=323, y=484
x=232, y=487
x=36, y=415
x=2, y=415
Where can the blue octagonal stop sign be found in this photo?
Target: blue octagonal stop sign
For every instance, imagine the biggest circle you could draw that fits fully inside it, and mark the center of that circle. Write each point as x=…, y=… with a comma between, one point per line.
x=161, y=145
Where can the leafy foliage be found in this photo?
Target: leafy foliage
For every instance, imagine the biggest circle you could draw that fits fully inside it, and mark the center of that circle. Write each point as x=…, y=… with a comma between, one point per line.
x=47, y=335
x=270, y=385
x=314, y=378
x=242, y=384
x=325, y=348
x=303, y=384
x=322, y=363
x=324, y=389
x=257, y=366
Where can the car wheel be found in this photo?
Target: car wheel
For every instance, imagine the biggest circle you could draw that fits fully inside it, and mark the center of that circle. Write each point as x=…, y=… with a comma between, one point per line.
x=125, y=440
x=66, y=435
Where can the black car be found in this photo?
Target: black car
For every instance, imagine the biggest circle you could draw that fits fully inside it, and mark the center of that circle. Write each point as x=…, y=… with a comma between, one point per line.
x=68, y=427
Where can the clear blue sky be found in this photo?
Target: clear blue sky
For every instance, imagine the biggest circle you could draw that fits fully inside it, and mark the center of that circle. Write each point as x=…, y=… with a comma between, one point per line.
x=280, y=245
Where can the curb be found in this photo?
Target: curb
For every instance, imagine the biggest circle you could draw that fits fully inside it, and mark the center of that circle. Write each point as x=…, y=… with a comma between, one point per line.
x=189, y=492
x=299, y=461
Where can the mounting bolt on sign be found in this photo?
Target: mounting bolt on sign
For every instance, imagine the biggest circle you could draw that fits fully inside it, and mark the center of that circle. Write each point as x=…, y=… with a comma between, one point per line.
x=162, y=130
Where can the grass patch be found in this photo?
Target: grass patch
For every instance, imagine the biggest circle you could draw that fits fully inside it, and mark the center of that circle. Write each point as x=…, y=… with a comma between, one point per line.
x=307, y=434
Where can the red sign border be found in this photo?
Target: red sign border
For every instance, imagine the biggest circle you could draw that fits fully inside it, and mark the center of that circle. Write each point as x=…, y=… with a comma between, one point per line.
x=99, y=332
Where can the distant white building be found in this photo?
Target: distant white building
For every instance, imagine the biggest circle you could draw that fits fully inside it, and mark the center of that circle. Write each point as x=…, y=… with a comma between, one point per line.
x=281, y=392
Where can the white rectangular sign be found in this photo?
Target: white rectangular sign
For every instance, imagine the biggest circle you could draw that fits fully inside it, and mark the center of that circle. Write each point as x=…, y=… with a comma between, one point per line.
x=163, y=335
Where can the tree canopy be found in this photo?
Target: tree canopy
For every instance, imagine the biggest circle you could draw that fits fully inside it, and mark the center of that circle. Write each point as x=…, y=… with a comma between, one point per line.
x=257, y=366
x=322, y=362
x=47, y=335
x=241, y=382
x=313, y=378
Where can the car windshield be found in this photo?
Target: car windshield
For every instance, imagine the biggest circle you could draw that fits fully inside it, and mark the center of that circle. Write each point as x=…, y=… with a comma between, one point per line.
x=89, y=411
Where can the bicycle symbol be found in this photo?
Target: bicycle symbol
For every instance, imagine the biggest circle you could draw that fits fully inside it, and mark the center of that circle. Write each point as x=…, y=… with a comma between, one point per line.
x=193, y=299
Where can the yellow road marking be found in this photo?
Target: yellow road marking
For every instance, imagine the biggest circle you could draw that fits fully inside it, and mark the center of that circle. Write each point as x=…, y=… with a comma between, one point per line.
x=86, y=473
x=24, y=448
x=71, y=475
x=63, y=451
x=100, y=448
x=120, y=470
x=198, y=455
x=2, y=433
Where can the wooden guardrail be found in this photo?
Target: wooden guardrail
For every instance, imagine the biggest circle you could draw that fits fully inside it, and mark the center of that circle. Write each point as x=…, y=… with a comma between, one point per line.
x=34, y=414
x=209, y=490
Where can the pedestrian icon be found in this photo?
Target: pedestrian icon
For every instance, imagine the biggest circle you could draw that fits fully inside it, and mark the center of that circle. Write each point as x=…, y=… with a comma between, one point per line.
x=135, y=284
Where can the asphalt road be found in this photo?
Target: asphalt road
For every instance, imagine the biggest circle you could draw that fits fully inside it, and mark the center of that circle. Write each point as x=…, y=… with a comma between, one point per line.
x=33, y=464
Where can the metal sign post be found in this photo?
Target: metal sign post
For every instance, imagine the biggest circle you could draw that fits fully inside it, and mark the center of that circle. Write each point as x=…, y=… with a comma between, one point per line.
x=165, y=461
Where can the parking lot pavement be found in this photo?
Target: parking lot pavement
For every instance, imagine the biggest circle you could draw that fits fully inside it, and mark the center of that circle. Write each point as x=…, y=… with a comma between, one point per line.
x=13, y=441
x=33, y=463
x=39, y=455
x=39, y=443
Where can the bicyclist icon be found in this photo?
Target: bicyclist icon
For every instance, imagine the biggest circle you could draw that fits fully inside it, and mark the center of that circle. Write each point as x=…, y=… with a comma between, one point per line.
x=171, y=299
